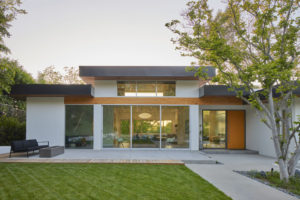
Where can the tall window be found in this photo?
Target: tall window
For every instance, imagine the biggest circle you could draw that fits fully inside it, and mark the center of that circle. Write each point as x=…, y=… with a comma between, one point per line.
x=146, y=88
x=116, y=126
x=214, y=129
x=141, y=126
x=79, y=126
x=175, y=126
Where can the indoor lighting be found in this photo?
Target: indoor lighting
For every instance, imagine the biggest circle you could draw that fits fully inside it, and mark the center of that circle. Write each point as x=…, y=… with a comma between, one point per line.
x=145, y=115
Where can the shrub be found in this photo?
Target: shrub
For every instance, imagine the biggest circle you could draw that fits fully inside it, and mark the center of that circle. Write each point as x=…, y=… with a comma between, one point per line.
x=11, y=129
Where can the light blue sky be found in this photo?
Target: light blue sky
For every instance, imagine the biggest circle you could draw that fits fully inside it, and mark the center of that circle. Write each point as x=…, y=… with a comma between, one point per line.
x=96, y=32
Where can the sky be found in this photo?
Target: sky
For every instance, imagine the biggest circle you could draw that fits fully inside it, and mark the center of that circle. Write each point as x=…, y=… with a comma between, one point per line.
x=96, y=32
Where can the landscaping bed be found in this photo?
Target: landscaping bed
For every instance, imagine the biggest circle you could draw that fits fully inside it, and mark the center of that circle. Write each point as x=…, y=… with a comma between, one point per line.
x=102, y=181
x=272, y=178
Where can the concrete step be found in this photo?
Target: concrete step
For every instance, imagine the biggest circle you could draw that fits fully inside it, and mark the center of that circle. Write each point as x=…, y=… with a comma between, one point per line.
x=228, y=151
x=200, y=162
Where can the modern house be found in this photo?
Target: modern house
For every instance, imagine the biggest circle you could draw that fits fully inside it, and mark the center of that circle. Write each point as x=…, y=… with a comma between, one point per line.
x=149, y=107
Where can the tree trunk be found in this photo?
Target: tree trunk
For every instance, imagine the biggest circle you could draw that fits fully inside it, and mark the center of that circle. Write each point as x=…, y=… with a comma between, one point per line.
x=284, y=174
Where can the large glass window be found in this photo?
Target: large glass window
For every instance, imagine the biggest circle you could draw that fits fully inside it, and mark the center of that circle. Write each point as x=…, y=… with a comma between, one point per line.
x=126, y=88
x=175, y=126
x=214, y=129
x=166, y=88
x=146, y=88
x=146, y=126
x=79, y=126
x=116, y=126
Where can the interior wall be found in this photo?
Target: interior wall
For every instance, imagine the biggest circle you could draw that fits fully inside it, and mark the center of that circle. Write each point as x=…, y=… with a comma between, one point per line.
x=45, y=119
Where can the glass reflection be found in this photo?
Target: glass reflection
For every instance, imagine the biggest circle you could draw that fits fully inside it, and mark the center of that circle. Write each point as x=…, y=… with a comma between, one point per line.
x=214, y=129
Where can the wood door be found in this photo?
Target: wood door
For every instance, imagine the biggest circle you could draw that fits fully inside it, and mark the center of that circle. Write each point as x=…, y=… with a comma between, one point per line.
x=236, y=129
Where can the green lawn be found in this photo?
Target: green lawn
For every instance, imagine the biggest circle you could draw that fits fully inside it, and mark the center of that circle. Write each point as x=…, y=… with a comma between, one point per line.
x=102, y=181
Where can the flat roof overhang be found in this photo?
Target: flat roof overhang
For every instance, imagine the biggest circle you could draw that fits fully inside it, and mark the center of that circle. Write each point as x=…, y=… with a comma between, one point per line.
x=51, y=90
x=222, y=90
x=91, y=73
x=217, y=90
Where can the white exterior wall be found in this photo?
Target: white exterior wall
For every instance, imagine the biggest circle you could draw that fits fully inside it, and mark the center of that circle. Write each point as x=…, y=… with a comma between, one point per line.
x=194, y=127
x=45, y=119
x=188, y=88
x=259, y=136
x=98, y=124
x=106, y=88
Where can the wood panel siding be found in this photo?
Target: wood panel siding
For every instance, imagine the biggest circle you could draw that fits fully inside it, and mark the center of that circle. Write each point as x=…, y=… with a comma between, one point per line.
x=235, y=129
x=155, y=100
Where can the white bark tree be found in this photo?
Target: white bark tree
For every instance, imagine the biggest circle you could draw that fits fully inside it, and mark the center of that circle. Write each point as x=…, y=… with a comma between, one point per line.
x=252, y=44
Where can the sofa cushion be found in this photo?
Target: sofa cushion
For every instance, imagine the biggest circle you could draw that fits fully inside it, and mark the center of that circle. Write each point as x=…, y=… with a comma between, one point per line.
x=30, y=143
x=18, y=145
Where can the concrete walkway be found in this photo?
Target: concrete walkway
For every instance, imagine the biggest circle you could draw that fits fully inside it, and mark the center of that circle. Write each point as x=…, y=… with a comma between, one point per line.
x=238, y=186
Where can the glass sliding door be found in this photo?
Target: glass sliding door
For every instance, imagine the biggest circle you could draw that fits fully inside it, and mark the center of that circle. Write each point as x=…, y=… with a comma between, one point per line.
x=175, y=126
x=116, y=126
x=141, y=126
x=146, y=126
x=79, y=126
x=214, y=129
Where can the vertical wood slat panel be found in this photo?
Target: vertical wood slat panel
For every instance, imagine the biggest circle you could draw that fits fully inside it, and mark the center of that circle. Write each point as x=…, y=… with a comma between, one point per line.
x=236, y=129
x=155, y=100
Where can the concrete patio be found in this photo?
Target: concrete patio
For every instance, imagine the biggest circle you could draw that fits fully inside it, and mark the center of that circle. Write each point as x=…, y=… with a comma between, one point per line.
x=119, y=156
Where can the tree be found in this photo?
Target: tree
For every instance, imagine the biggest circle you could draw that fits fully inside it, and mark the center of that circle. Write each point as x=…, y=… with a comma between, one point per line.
x=52, y=76
x=72, y=76
x=250, y=43
x=8, y=12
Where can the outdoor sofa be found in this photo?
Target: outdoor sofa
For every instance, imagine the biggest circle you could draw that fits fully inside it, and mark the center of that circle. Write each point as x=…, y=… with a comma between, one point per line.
x=26, y=146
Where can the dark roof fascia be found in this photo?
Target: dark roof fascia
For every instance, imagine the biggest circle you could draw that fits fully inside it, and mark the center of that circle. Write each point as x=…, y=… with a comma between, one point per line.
x=222, y=90
x=51, y=90
x=140, y=71
x=217, y=90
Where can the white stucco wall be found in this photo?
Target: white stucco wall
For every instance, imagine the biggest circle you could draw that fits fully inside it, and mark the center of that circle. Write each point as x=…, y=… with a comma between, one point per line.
x=194, y=127
x=188, y=88
x=106, y=88
x=98, y=124
x=45, y=118
x=259, y=136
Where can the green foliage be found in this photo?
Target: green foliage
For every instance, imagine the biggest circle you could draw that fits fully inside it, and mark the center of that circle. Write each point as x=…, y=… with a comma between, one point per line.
x=273, y=178
x=11, y=129
x=251, y=44
x=125, y=127
x=103, y=181
x=12, y=73
x=51, y=76
x=8, y=12
x=7, y=74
